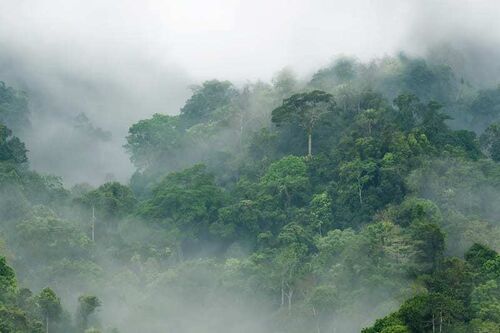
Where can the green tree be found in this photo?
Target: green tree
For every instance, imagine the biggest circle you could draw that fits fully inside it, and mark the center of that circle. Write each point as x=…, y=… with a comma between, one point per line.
x=356, y=175
x=324, y=302
x=432, y=312
x=241, y=221
x=109, y=203
x=321, y=212
x=478, y=255
x=393, y=323
x=486, y=301
x=47, y=238
x=429, y=246
x=415, y=210
x=290, y=261
x=288, y=179
x=154, y=140
x=396, y=329
x=11, y=148
x=87, y=305
x=8, y=283
x=305, y=109
x=50, y=306
x=16, y=320
x=206, y=100
x=188, y=200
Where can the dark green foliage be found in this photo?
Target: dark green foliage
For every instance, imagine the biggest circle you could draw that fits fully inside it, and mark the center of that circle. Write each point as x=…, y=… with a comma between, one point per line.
x=429, y=246
x=111, y=201
x=192, y=190
x=417, y=210
x=287, y=179
x=153, y=140
x=12, y=150
x=19, y=311
x=304, y=110
x=432, y=311
x=7, y=280
x=188, y=201
x=454, y=298
x=206, y=100
x=429, y=82
x=479, y=254
x=393, y=323
x=50, y=306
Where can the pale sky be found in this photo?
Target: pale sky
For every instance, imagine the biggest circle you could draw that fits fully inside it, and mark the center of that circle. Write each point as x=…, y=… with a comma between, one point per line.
x=228, y=38
x=237, y=40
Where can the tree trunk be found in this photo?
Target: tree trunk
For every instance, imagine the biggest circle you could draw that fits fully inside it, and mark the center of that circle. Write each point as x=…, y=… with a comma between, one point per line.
x=289, y=296
x=309, y=143
x=282, y=293
x=47, y=324
x=440, y=321
x=315, y=315
x=433, y=324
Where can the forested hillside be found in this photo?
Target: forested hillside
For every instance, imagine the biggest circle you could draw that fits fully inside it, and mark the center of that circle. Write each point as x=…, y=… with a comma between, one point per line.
x=364, y=198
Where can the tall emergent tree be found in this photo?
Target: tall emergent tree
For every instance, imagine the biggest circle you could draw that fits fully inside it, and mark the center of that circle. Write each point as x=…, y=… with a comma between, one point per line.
x=305, y=109
x=86, y=306
x=50, y=306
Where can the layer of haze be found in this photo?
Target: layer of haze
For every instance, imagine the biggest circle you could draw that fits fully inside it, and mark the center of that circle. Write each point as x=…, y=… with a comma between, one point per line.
x=121, y=60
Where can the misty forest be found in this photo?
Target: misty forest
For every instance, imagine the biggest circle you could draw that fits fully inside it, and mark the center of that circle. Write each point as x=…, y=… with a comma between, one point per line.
x=364, y=197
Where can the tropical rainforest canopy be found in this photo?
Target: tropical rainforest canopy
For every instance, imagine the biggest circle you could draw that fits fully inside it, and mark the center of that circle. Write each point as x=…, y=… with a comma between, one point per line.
x=365, y=198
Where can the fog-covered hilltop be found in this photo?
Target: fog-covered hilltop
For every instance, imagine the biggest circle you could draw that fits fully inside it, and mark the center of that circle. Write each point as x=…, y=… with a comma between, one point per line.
x=370, y=190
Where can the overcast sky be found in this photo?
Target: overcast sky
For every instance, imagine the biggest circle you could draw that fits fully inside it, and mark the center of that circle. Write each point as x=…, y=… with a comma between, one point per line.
x=233, y=39
x=122, y=60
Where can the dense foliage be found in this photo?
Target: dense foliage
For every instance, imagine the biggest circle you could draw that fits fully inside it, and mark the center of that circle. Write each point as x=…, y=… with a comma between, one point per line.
x=460, y=296
x=370, y=191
